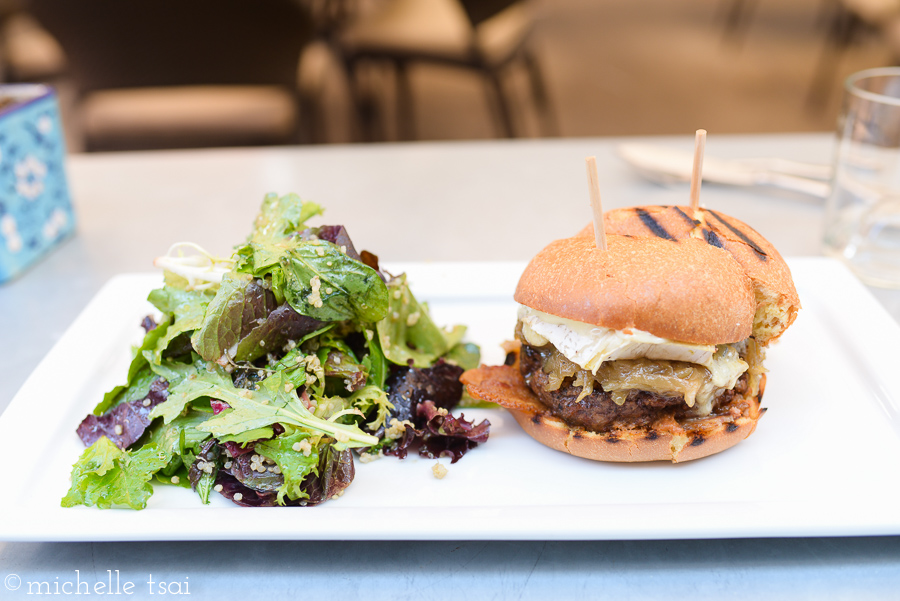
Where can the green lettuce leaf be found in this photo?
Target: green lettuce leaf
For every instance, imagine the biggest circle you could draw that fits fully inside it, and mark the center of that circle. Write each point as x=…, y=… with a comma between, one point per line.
x=408, y=331
x=235, y=307
x=467, y=355
x=106, y=476
x=374, y=404
x=278, y=218
x=180, y=434
x=375, y=363
x=188, y=308
x=322, y=282
x=175, y=371
x=294, y=465
x=137, y=383
x=315, y=277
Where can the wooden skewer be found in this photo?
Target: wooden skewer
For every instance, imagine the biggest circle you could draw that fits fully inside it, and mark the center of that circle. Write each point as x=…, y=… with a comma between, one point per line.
x=697, y=173
x=597, y=208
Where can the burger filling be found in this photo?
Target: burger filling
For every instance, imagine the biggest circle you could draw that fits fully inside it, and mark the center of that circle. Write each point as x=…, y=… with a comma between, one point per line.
x=594, y=377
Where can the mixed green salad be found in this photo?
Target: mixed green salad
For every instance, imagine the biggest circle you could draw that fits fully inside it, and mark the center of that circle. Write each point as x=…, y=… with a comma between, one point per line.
x=267, y=371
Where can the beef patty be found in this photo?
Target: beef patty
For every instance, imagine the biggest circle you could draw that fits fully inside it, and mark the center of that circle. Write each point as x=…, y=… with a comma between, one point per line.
x=598, y=412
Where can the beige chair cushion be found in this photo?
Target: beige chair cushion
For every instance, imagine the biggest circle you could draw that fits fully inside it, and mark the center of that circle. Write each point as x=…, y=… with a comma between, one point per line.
x=437, y=29
x=189, y=116
x=874, y=12
x=30, y=52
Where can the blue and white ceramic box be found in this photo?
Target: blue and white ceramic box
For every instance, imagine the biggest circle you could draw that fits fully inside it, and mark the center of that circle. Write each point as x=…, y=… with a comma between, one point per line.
x=35, y=208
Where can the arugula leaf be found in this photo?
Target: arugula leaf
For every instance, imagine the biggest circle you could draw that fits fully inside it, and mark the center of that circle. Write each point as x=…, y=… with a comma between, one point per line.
x=271, y=404
x=107, y=476
x=408, y=331
x=295, y=465
x=199, y=383
x=274, y=402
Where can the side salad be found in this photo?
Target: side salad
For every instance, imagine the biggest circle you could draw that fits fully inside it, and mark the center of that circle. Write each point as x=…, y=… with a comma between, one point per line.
x=268, y=370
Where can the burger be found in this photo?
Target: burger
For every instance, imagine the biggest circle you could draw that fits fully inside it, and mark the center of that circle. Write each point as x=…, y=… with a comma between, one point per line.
x=651, y=349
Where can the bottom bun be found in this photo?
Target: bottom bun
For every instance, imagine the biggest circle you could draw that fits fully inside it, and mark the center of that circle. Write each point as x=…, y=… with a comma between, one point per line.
x=668, y=440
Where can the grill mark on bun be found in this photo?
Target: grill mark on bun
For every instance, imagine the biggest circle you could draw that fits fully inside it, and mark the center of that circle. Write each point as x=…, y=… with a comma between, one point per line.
x=653, y=225
x=652, y=435
x=537, y=418
x=698, y=440
x=731, y=427
x=691, y=221
x=760, y=253
x=712, y=239
x=613, y=439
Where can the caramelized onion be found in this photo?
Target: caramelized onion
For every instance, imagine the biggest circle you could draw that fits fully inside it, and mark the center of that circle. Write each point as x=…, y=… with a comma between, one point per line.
x=691, y=381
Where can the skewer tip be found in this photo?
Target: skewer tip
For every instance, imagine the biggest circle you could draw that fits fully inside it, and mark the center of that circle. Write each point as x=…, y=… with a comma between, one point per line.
x=697, y=173
x=596, y=206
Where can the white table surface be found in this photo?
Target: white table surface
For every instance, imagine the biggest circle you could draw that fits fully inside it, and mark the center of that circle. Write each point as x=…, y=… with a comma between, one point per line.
x=412, y=202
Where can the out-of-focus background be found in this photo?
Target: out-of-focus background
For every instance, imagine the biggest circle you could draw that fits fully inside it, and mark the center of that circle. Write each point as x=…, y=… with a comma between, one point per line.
x=194, y=73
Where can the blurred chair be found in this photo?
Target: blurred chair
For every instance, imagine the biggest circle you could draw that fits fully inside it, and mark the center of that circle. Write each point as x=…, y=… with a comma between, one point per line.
x=181, y=73
x=486, y=36
x=848, y=21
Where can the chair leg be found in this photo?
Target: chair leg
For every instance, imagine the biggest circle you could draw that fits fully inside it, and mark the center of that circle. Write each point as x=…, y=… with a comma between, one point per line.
x=541, y=100
x=495, y=86
x=362, y=102
x=844, y=28
x=737, y=18
x=406, y=118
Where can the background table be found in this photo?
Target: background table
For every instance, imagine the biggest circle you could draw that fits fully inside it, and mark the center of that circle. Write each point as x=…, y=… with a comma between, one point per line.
x=419, y=202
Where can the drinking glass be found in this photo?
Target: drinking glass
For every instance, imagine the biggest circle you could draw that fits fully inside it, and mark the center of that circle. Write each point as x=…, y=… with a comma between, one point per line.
x=862, y=217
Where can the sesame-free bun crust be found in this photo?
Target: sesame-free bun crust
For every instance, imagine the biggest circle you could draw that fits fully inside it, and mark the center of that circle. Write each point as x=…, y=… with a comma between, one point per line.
x=685, y=290
x=777, y=302
x=505, y=386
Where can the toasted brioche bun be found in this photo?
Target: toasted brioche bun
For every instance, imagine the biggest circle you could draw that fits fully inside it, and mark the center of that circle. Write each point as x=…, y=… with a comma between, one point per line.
x=688, y=291
x=505, y=386
x=776, y=297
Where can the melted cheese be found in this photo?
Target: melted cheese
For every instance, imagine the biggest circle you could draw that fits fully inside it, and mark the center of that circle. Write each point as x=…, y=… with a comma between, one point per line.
x=589, y=346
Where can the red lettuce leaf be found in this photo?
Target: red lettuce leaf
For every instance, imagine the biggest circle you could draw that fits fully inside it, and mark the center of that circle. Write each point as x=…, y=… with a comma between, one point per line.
x=126, y=422
x=409, y=386
x=336, y=472
x=449, y=436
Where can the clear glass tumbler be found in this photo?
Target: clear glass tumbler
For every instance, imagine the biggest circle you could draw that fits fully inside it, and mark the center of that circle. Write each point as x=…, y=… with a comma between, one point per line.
x=862, y=217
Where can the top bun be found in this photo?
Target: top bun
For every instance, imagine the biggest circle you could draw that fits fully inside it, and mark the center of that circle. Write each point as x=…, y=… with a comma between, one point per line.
x=777, y=302
x=688, y=291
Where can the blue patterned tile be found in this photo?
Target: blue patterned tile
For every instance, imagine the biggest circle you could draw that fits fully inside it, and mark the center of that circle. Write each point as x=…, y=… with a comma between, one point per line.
x=34, y=194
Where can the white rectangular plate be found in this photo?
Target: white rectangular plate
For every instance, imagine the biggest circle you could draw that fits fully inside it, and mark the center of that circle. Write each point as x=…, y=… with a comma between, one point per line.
x=825, y=459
